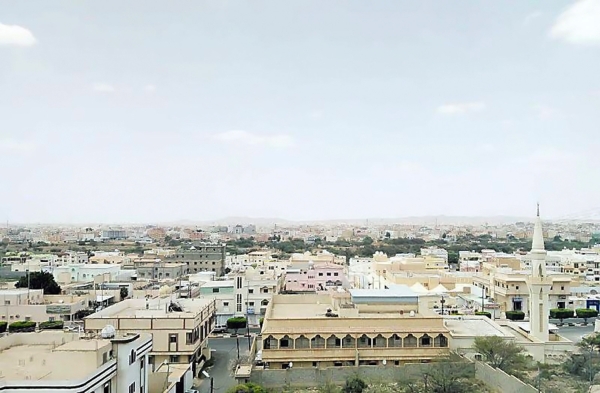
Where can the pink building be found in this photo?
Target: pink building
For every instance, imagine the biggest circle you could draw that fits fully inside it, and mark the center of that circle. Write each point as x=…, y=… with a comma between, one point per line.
x=315, y=277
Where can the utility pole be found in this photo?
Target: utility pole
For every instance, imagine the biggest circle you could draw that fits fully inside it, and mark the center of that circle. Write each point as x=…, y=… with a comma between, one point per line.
x=212, y=385
x=237, y=344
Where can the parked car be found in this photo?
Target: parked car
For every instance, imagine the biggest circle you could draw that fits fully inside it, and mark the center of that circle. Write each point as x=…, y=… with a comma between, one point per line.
x=220, y=329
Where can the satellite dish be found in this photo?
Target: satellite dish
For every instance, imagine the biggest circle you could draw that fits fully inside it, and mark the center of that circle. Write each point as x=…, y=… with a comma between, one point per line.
x=108, y=331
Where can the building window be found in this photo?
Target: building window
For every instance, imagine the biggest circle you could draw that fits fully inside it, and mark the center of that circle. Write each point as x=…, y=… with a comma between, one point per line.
x=562, y=288
x=328, y=274
x=132, y=388
x=320, y=274
x=132, y=356
x=172, y=339
x=215, y=290
x=250, y=290
x=174, y=359
x=225, y=304
x=335, y=274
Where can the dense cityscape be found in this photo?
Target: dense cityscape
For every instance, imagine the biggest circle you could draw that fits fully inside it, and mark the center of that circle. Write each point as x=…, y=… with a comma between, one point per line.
x=299, y=196
x=229, y=304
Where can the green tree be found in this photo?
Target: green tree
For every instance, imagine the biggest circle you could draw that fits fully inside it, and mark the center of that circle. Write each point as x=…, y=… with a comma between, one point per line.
x=236, y=323
x=40, y=280
x=561, y=314
x=586, y=313
x=500, y=353
x=354, y=385
x=447, y=377
x=367, y=240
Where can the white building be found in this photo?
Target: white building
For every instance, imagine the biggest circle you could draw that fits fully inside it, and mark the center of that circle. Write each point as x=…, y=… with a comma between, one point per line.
x=85, y=272
x=62, y=362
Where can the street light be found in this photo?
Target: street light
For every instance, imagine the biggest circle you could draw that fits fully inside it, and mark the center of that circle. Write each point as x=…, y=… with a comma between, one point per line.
x=442, y=302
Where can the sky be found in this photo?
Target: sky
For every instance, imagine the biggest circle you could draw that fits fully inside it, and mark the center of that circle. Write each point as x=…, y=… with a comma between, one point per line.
x=150, y=111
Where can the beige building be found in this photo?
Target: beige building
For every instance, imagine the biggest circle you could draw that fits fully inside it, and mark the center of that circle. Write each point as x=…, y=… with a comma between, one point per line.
x=179, y=327
x=21, y=304
x=321, y=256
x=363, y=327
x=63, y=362
x=509, y=290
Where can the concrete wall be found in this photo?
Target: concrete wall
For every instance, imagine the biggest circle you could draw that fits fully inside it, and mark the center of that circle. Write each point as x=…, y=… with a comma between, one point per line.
x=310, y=377
x=501, y=380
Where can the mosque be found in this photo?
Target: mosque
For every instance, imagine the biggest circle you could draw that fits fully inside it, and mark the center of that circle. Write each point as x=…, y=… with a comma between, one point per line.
x=539, y=338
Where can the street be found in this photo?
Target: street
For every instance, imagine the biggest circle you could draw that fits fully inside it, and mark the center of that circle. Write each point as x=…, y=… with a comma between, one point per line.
x=224, y=350
x=575, y=333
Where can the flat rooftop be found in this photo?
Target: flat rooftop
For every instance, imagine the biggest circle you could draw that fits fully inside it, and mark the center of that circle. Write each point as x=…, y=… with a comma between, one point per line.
x=16, y=291
x=71, y=361
x=157, y=308
x=474, y=326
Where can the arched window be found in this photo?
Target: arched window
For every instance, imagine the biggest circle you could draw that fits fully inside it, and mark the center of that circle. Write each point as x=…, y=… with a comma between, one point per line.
x=440, y=341
x=364, y=341
x=264, y=302
x=425, y=341
x=285, y=342
x=379, y=342
x=348, y=342
x=302, y=342
x=410, y=341
x=317, y=342
x=334, y=342
x=395, y=341
x=270, y=343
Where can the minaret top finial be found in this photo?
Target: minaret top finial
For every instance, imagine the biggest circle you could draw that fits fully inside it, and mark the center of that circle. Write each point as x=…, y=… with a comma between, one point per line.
x=538, y=209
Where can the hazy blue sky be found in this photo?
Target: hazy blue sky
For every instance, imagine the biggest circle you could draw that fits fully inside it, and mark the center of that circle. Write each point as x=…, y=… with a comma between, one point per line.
x=153, y=110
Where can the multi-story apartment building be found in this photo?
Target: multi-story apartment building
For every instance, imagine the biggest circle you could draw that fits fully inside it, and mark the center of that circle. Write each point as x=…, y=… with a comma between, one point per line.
x=315, y=277
x=85, y=272
x=365, y=327
x=32, y=305
x=179, y=327
x=508, y=288
x=63, y=362
x=253, y=291
x=159, y=270
x=202, y=257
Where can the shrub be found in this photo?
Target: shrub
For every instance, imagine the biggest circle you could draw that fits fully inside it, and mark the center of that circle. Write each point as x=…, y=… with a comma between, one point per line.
x=354, y=385
x=487, y=314
x=515, y=315
x=51, y=325
x=247, y=388
x=3, y=326
x=22, y=326
x=586, y=313
x=561, y=313
x=260, y=322
x=236, y=323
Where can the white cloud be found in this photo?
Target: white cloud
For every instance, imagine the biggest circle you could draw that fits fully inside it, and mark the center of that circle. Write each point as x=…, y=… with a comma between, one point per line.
x=248, y=138
x=103, y=88
x=315, y=114
x=14, y=146
x=531, y=17
x=579, y=24
x=13, y=35
x=149, y=88
x=460, y=108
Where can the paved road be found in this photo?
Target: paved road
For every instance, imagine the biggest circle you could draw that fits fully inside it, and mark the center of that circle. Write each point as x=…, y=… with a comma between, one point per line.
x=575, y=333
x=224, y=351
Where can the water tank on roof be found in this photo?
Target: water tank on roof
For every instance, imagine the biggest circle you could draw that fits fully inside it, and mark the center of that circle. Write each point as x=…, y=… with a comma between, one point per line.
x=108, y=331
